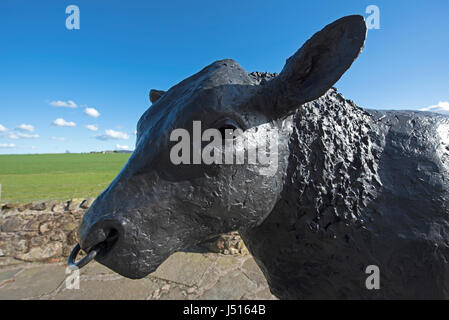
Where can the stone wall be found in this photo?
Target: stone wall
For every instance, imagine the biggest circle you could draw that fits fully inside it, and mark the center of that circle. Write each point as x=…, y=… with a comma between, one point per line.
x=45, y=231
x=39, y=231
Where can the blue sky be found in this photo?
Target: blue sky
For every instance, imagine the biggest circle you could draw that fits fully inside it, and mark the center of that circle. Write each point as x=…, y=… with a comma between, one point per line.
x=125, y=48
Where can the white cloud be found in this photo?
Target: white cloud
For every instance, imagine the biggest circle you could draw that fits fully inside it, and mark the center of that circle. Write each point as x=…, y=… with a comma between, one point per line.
x=92, y=127
x=62, y=123
x=442, y=107
x=3, y=129
x=112, y=134
x=7, y=145
x=92, y=112
x=25, y=127
x=13, y=136
x=120, y=147
x=25, y=136
x=58, y=138
x=64, y=104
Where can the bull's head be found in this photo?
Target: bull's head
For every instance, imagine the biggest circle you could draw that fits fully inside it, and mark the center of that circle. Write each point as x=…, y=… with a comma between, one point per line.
x=155, y=207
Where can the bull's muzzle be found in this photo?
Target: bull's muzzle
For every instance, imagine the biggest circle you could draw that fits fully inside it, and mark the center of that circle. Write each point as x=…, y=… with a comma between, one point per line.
x=100, y=239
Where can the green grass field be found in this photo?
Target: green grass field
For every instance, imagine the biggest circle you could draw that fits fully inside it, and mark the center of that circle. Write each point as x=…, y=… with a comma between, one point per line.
x=25, y=178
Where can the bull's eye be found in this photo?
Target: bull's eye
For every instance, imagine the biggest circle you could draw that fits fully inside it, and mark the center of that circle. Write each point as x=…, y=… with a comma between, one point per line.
x=227, y=131
x=228, y=128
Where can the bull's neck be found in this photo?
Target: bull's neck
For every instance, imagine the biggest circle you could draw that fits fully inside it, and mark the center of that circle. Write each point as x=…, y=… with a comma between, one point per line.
x=332, y=159
x=331, y=168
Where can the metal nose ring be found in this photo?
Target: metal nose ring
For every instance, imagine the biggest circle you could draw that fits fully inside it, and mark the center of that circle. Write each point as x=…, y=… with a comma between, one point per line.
x=85, y=260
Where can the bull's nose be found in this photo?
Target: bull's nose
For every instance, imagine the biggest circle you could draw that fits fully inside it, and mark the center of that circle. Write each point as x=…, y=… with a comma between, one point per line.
x=105, y=232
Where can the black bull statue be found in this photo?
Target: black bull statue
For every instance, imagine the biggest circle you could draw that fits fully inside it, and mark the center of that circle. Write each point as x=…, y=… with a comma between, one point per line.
x=353, y=187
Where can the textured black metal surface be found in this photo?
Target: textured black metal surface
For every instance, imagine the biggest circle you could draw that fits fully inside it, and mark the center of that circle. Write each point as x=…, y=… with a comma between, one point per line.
x=363, y=188
x=353, y=187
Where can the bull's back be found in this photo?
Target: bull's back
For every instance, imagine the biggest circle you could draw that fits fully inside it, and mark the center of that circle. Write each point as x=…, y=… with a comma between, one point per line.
x=413, y=165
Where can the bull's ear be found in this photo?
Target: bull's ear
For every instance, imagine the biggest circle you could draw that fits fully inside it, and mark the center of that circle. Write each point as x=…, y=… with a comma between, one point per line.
x=320, y=62
x=155, y=95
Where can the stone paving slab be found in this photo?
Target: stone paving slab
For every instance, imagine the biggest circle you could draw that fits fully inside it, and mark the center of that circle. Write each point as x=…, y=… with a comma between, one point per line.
x=184, y=275
x=233, y=286
x=33, y=282
x=8, y=275
x=112, y=289
x=185, y=268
